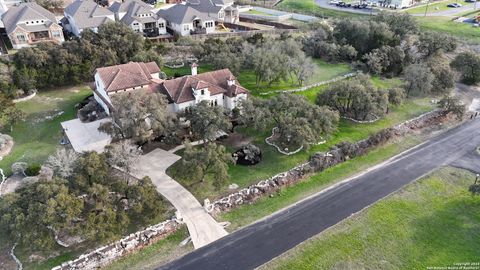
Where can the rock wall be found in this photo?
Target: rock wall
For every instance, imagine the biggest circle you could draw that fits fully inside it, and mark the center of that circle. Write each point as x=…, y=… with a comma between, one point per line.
x=321, y=161
x=107, y=254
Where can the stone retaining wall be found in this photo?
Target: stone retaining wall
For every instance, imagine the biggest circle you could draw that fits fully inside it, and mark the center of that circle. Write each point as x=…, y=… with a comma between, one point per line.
x=107, y=254
x=321, y=161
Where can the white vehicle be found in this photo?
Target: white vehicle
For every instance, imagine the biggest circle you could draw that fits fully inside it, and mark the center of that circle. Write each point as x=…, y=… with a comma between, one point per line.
x=334, y=2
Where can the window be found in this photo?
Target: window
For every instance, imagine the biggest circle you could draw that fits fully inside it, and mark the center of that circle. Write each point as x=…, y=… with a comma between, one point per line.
x=27, y=22
x=203, y=92
x=135, y=23
x=161, y=25
x=56, y=34
x=21, y=38
x=216, y=102
x=186, y=27
x=38, y=21
x=209, y=24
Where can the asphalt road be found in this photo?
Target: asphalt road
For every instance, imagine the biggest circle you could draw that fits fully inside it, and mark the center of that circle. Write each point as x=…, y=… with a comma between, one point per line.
x=260, y=242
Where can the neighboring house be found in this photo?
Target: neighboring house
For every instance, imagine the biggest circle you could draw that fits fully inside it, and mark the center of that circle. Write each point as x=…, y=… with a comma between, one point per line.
x=123, y=78
x=28, y=24
x=219, y=88
x=86, y=14
x=140, y=17
x=199, y=16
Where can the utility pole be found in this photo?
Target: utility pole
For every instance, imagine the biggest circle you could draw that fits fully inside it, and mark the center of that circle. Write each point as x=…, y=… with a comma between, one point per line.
x=426, y=8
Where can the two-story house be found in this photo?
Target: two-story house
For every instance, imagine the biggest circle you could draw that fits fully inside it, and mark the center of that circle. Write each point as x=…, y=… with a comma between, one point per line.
x=140, y=17
x=28, y=24
x=86, y=14
x=199, y=16
x=219, y=88
x=123, y=78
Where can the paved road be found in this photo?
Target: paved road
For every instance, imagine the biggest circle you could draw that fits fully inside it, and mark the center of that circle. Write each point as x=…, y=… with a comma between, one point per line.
x=202, y=227
x=260, y=242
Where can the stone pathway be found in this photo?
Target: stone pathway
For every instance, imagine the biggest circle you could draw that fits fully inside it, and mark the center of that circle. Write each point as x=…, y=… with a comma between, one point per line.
x=202, y=227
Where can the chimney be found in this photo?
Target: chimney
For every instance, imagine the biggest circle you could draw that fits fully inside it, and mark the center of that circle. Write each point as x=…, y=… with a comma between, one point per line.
x=231, y=80
x=194, y=69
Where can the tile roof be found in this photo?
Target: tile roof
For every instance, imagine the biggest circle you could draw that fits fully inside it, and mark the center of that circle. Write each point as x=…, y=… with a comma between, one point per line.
x=27, y=12
x=179, y=90
x=133, y=74
x=88, y=14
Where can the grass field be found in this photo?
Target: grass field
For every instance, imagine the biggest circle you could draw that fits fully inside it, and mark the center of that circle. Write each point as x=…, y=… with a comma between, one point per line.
x=324, y=72
x=463, y=31
x=434, y=222
x=309, y=7
x=433, y=7
x=156, y=254
x=38, y=137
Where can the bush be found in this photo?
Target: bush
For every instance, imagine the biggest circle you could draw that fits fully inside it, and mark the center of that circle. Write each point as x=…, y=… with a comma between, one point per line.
x=248, y=155
x=396, y=96
x=33, y=169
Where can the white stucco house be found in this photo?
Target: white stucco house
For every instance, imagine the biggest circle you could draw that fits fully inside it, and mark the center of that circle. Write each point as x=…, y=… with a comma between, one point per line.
x=140, y=17
x=199, y=16
x=219, y=88
x=123, y=78
x=86, y=14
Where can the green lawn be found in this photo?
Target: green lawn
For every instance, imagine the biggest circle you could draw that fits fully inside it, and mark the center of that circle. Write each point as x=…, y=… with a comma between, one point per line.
x=434, y=222
x=156, y=254
x=273, y=162
x=309, y=7
x=433, y=7
x=185, y=70
x=324, y=72
x=38, y=137
x=463, y=31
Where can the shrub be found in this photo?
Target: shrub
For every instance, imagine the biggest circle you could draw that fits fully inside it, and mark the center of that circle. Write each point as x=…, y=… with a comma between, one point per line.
x=396, y=96
x=33, y=169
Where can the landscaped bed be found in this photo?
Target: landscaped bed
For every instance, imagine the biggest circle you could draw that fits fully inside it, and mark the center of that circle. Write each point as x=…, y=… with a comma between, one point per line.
x=431, y=223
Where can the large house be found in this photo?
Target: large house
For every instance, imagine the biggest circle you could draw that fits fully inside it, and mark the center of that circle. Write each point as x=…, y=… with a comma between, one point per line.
x=123, y=78
x=86, y=14
x=219, y=88
x=28, y=24
x=140, y=17
x=199, y=16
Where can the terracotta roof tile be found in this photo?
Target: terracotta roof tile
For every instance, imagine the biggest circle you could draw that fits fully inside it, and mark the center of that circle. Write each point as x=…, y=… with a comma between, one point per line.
x=179, y=90
x=128, y=75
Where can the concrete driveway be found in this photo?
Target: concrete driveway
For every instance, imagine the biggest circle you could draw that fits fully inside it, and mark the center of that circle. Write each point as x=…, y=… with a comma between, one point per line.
x=202, y=227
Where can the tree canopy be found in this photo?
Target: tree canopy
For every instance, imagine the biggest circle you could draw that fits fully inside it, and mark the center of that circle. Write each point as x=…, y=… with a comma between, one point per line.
x=140, y=117
x=356, y=98
x=468, y=64
x=297, y=121
x=207, y=120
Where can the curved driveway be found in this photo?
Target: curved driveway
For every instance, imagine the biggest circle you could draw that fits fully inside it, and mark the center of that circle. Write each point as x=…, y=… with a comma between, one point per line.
x=260, y=242
x=202, y=227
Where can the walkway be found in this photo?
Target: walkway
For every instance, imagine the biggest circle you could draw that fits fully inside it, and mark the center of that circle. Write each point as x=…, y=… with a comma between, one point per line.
x=202, y=227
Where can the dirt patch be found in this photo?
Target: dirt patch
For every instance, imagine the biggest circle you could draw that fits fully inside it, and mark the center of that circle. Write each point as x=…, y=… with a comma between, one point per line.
x=6, y=261
x=6, y=149
x=469, y=94
x=11, y=184
x=235, y=140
